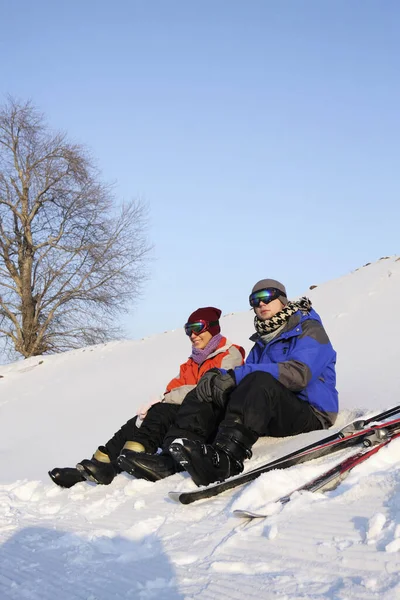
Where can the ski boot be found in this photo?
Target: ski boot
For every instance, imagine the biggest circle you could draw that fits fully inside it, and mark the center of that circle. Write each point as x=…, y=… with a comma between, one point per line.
x=207, y=463
x=147, y=466
x=99, y=469
x=66, y=477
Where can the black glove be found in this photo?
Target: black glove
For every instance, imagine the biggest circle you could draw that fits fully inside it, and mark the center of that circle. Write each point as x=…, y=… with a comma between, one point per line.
x=215, y=386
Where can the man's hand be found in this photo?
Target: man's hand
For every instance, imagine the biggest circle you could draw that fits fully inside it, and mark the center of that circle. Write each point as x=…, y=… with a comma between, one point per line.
x=215, y=386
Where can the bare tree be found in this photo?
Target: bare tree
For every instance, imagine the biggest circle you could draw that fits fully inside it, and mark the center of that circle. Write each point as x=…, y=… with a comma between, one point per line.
x=70, y=260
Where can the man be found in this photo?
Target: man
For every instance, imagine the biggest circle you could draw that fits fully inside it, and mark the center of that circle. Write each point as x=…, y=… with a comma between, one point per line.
x=285, y=387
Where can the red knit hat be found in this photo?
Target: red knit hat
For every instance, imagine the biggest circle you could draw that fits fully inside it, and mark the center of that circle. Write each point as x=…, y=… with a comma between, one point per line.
x=209, y=313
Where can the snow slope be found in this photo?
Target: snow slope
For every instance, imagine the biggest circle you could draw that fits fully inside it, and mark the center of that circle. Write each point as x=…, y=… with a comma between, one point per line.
x=128, y=540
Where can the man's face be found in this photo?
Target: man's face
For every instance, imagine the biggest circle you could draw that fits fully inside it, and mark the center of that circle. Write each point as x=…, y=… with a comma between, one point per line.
x=266, y=311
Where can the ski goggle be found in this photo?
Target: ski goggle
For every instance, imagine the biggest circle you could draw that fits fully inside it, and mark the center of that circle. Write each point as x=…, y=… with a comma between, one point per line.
x=199, y=326
x=265, y=296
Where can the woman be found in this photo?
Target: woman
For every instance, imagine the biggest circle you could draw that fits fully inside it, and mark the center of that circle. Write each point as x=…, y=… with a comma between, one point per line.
x=145, y=433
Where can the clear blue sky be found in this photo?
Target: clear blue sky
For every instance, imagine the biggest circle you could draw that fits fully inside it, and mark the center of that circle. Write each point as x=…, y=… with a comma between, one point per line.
x=264, y=135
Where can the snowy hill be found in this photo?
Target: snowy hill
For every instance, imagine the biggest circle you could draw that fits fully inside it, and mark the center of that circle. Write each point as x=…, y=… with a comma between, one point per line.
x=128, y=540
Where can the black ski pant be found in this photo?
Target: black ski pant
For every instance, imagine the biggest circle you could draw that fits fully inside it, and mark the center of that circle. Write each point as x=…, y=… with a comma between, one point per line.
x=259, y=406
x=151, y=433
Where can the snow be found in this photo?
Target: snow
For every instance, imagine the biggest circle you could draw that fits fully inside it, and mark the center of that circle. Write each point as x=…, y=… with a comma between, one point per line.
x=129, y=540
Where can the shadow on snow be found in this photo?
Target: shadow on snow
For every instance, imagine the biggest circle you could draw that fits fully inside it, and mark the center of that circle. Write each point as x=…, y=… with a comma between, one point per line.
x=40, y=564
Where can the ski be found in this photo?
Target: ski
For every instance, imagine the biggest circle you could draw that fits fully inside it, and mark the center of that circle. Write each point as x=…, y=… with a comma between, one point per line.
x=330, y=479
x=352, y=434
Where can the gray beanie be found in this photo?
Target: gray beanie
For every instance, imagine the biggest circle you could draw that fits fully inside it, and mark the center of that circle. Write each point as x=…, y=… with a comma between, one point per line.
x=263, y=284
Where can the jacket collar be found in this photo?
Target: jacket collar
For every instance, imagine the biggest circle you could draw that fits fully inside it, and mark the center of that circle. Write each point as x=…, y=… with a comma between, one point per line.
x=291, y=324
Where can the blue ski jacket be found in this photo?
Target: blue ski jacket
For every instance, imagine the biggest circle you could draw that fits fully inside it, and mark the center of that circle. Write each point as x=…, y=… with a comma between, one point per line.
x=302, y=358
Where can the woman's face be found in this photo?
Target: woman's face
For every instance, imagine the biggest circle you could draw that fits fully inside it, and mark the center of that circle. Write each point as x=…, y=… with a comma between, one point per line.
x=200, y=340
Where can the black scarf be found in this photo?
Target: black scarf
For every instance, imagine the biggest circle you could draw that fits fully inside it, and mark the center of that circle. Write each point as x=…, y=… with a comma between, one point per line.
x=275, y=322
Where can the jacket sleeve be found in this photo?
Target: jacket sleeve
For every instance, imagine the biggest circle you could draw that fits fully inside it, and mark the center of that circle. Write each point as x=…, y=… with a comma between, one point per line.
x=179, y=386
x=233, y=358
x=311, y=353
x=177, y=395
x=229, y=360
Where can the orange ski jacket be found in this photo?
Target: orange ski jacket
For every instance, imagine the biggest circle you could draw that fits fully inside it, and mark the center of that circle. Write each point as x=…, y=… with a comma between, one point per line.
x=226, y=356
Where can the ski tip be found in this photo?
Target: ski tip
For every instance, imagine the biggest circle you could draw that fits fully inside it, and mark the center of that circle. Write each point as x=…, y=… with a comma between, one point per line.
x=175, y=496
x=184, y=497
x=247, y=514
